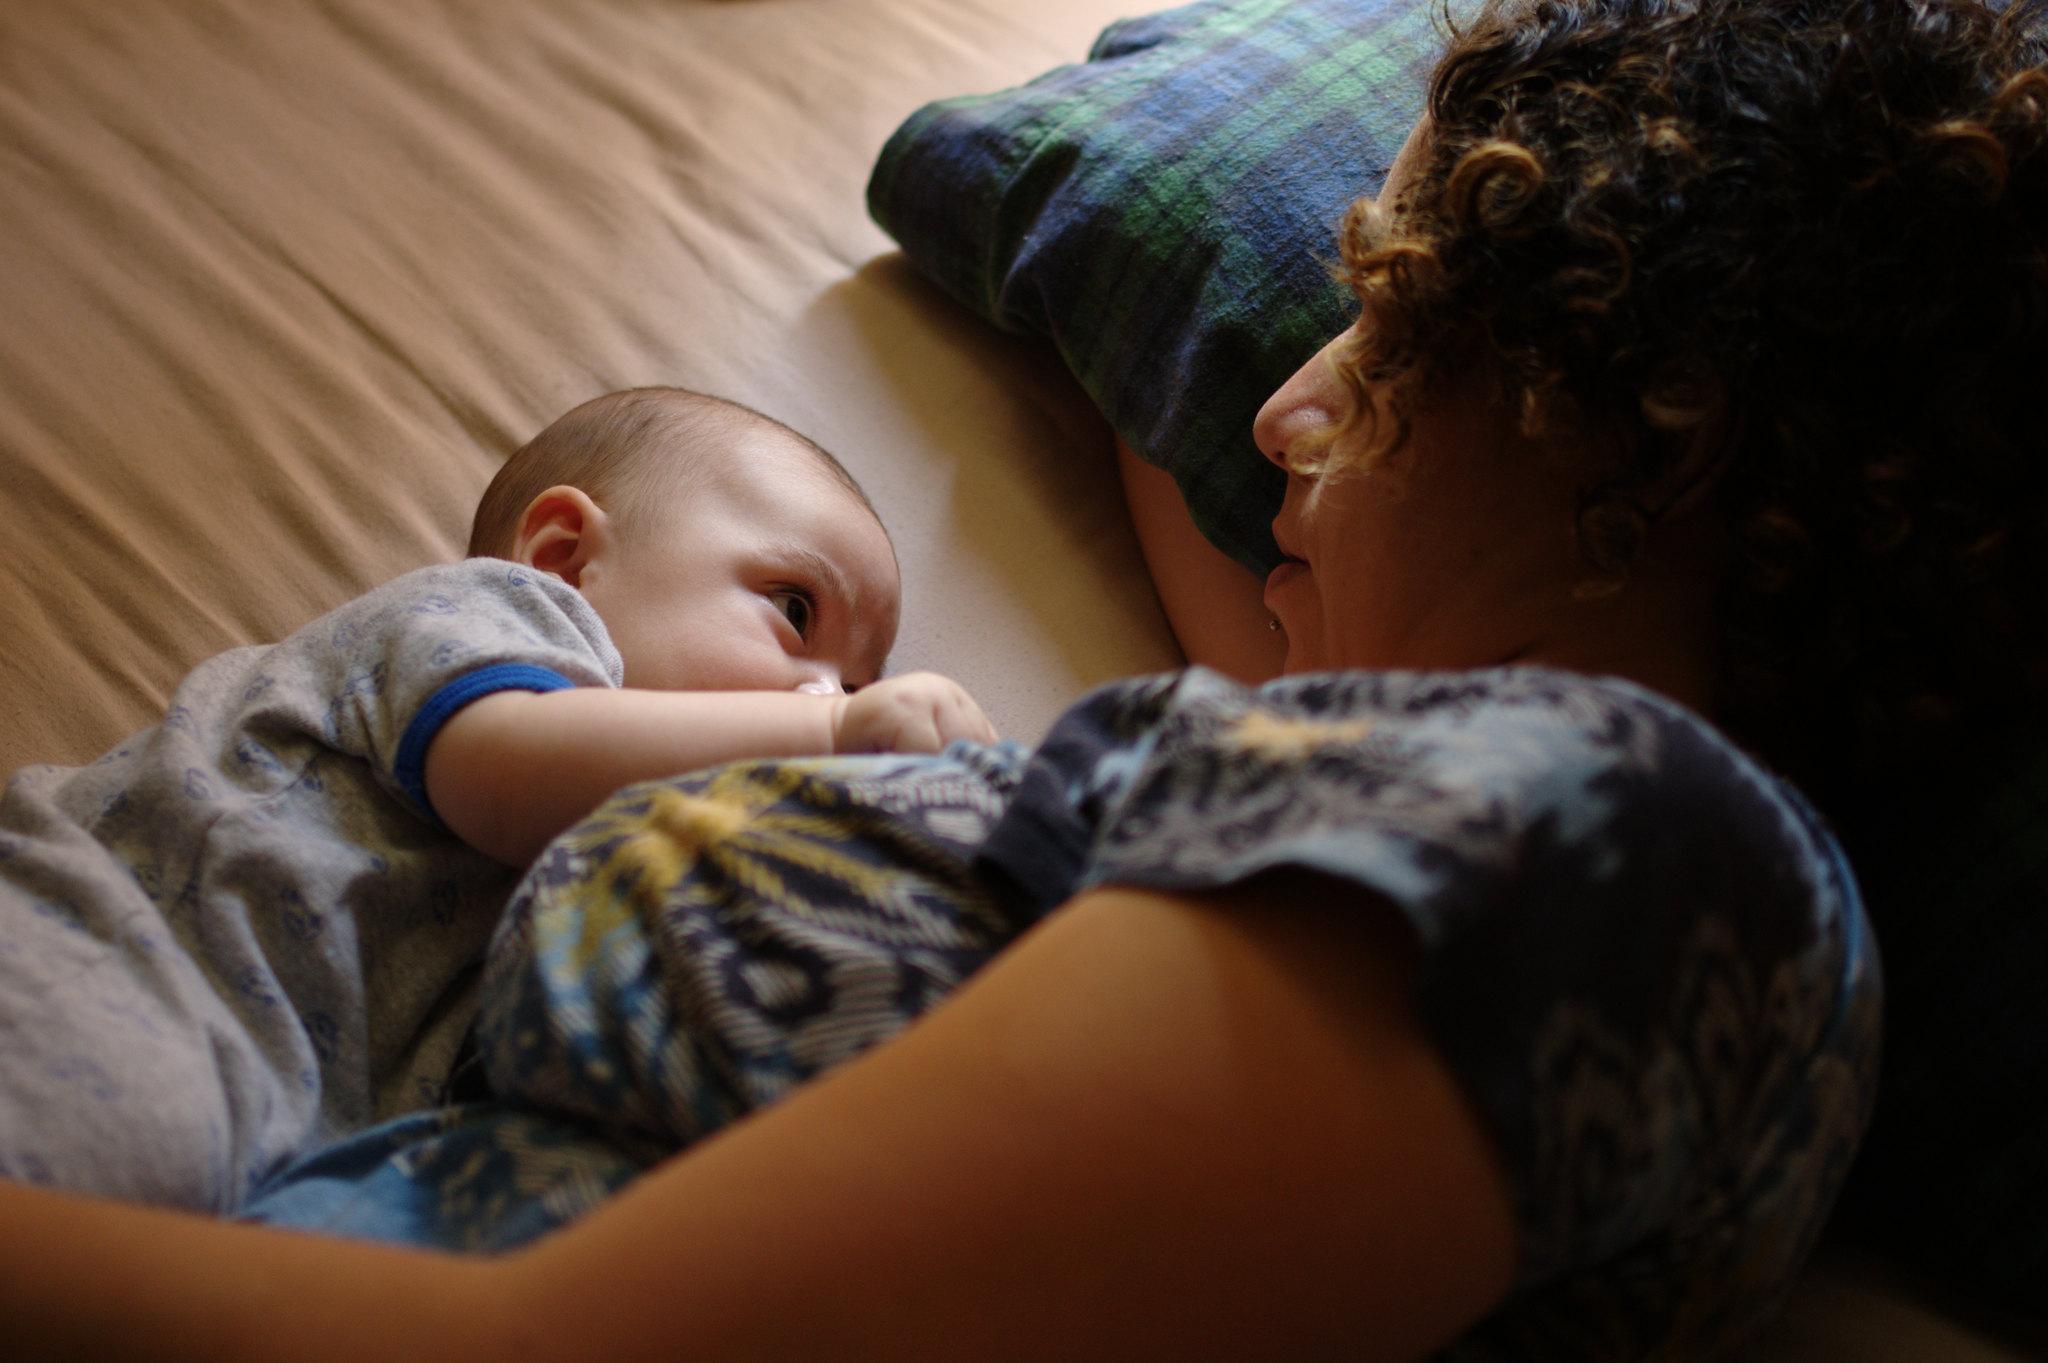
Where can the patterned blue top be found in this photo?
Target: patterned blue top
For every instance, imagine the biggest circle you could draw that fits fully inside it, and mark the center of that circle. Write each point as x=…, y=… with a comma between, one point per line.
x=1640, y=952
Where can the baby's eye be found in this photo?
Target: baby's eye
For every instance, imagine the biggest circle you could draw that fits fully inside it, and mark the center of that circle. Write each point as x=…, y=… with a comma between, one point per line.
x=796, y=608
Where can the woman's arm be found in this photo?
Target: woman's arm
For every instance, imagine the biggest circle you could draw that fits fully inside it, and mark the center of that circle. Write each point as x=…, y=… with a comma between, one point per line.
x=86, y=1278
x=1159, y=1126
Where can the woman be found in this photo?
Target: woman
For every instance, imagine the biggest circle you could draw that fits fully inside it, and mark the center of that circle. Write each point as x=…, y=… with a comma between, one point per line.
x=1510, y=1005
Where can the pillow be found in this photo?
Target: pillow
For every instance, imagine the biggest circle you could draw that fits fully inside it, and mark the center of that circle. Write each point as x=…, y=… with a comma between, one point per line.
x=1166, y=213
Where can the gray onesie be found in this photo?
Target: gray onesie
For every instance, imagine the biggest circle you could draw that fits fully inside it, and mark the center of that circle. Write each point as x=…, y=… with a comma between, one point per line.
x=244, y=930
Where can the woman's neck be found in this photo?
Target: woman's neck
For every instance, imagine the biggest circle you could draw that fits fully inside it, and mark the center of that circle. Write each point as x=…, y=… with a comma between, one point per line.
x=1658, y=631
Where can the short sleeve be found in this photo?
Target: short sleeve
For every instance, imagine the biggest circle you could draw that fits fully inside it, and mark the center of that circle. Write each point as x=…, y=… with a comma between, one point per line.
x=1640, y=952
x=396, y=664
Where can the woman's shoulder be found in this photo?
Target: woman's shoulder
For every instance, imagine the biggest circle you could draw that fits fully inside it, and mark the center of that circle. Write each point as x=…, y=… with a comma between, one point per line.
x=1640, y=950
x=1607, y=707
x=1485, y=786
x=1505, y=736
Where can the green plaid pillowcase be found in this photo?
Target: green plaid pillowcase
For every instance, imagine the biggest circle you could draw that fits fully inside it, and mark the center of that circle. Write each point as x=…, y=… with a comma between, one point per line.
x=1166, y=214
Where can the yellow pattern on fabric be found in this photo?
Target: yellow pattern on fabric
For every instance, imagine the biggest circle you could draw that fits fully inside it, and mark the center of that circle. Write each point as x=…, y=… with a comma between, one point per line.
x=695, y=820
x=1283, y=738
x=746, y=818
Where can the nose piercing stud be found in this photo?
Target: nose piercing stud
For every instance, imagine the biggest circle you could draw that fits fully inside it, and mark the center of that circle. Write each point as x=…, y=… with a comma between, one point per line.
x=1273, y=622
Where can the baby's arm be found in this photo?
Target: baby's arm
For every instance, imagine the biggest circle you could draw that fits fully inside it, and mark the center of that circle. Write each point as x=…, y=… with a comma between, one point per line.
x=510, y=771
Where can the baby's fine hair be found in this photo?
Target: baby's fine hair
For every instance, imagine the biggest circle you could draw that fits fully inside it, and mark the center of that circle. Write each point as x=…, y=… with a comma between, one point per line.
x=625, y=449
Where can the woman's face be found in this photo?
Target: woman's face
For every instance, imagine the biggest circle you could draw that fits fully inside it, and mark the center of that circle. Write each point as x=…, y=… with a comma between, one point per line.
x=1448, y=552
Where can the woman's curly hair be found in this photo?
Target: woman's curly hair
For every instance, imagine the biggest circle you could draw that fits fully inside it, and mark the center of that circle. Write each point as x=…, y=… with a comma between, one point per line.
x=1799, y=246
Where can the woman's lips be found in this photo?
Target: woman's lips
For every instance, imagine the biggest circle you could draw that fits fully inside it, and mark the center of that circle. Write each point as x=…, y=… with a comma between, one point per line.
x=1282, y=575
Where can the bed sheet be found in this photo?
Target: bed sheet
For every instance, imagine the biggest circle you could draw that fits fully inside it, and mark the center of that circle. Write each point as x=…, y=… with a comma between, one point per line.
x=285, y=283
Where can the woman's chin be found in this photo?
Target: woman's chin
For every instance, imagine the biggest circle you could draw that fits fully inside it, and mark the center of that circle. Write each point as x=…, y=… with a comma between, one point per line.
x=1290, y=597
x=1302, y=653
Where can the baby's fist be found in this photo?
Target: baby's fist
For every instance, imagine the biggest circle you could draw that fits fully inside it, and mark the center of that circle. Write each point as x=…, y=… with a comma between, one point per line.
x=916, y=712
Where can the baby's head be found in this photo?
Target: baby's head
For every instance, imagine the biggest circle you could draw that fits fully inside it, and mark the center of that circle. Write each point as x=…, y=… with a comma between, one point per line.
x=722, y=550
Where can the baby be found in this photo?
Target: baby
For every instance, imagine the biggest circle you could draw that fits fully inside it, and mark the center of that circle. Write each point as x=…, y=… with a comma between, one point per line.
x=255, y=925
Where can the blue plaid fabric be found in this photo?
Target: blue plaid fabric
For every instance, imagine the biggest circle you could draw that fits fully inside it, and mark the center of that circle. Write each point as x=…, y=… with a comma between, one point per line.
x=1166, y=214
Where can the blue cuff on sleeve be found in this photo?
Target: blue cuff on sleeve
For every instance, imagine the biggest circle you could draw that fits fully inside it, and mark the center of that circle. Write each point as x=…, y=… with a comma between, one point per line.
x=440, y=707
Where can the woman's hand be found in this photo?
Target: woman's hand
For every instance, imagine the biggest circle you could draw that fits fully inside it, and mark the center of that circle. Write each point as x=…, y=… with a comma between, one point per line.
x=916, y=712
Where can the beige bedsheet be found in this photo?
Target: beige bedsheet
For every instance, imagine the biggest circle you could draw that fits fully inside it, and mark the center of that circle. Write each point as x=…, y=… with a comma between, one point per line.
x=284, y=282
x=281, y=283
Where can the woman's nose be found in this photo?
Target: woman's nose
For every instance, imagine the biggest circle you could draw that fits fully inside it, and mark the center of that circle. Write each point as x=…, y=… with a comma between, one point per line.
x=1310, y=400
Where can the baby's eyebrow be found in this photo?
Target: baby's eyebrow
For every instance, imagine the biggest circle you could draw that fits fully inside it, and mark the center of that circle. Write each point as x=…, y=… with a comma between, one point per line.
x=815, y=565
x=836, y=583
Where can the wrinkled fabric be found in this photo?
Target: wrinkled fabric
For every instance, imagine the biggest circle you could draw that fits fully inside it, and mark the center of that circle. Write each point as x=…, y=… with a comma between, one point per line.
x=1166, y=213
x=242, y=932
x=1641, y=954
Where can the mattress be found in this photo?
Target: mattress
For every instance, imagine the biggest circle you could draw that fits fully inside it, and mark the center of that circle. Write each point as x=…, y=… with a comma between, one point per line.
x=285, y=282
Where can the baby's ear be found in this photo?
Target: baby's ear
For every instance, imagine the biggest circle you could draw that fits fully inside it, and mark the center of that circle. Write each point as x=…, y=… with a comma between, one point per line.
x=559, y=532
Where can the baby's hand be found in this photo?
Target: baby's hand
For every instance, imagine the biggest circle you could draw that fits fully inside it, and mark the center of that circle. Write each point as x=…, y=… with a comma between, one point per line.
x=916, y=712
